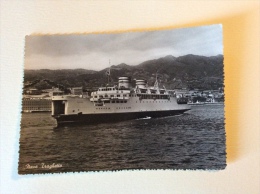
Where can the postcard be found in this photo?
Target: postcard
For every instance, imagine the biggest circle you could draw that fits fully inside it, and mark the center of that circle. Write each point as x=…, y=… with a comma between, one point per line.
x=123, y=101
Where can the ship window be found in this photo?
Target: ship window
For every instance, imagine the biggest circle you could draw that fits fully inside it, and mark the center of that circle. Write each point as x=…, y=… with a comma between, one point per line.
x=113, y=101
x=118, y=95
x=111, y=95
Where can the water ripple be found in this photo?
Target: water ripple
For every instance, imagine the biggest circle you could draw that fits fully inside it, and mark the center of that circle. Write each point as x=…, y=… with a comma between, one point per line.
x=194, y=140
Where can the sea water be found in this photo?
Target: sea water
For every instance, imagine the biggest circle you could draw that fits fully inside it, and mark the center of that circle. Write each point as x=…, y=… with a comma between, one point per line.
x=193, y=140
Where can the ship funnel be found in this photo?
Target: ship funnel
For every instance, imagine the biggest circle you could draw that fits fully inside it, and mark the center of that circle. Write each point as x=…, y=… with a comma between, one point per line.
x=124, y=82
x=140, y=83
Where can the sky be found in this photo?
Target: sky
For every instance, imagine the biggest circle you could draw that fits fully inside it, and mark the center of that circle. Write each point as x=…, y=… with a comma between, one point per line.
x=94, y=51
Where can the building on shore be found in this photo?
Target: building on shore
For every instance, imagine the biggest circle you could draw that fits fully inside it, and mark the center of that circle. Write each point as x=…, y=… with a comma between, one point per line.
x=77, y=91
x=36, y=103
x=53, y=92
x=33, y=91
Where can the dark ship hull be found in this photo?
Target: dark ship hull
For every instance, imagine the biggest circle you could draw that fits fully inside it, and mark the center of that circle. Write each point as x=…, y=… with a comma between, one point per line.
x=63, y=120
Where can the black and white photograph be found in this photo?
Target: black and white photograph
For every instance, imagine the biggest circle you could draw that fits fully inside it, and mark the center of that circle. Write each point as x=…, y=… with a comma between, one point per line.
x=139, y=100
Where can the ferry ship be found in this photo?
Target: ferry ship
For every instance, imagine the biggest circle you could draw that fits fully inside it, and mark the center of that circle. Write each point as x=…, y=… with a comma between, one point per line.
x=118, y=103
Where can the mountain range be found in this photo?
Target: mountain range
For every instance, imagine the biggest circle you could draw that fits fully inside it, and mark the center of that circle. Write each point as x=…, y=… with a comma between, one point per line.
x=189, y=71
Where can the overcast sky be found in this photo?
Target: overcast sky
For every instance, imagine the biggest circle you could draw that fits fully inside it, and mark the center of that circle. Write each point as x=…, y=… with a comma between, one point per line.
x=93, y=51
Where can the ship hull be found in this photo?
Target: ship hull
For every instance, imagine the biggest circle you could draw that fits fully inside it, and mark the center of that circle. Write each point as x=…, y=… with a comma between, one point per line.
x=63, y=120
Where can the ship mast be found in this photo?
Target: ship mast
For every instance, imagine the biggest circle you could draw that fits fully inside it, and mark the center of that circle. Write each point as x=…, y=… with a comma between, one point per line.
x=108, y=73
x=156, y=84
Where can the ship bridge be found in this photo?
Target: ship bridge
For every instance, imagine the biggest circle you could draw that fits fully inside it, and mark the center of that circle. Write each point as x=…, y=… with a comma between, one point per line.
x=109, y=93
x=106, y=89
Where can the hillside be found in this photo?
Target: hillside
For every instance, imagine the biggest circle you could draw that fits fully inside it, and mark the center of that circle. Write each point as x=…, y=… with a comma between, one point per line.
x=189, y=71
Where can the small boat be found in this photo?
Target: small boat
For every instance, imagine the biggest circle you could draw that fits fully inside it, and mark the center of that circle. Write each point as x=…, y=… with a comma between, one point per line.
x=213, y=102
x=196, y=103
